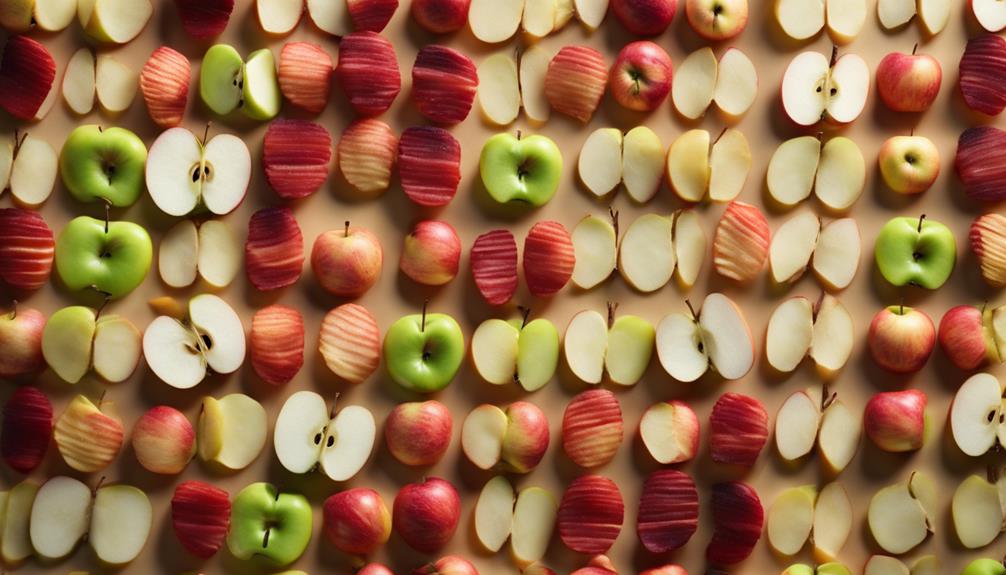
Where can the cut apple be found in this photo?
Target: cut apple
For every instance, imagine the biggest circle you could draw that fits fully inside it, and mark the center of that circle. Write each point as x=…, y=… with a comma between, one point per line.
x=534, y=516
x=78, y=82
x=695, y=168
x=719, y=337
x=815, y=88
x=499, y=88
x=895, y=13
x=621, y=347
x=533, y=68
x=595, y=246
x=280, y=16
x=600, y=162
x=841, y=175
x=900, y=515
x=822, y=331
x=836, y=171
x=538, y=19
x=885, y=565
x=646, y=257
x=990, y=14
x=832, y=521
x=793, y=167
x=591, y=12
x=790, y=519
x=210, y=251
x=833, y=337
x=494, y=513
x=797, y=423
x=741, y=242
x=800, y=19
x=689, y=247
x=115, y=83
x=836, y=258
x=736, y=83
x=845, y=19
x=977, y=512
x=494, y=21
x=977, y=415
x=838, y=439
x=15, y=542
x=792, y=246
x=31, y=169
x=518, y=351
x=934, y=14
x=77, y=339
x=113, y=21
x=670, y=432
x=642, y=163
x=231, y=431
x=695, y=83
x=330, y=16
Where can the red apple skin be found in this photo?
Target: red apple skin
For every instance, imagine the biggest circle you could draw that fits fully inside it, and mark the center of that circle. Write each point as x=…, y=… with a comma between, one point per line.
x=426, y=514
x=164, y=440
x=418, y=433
x=901, y=339
x=448, y=565
x=27, y=427
x=356, y=521
x=641, y=76
x=441, y=16
x=962, y=337
x=347, y=262
x=526, y=439
x=896, y=420
x=909, y=82
x=645, y=17
x=666, y=570
x=21, y=342
x=431, y=253
x=738, y=516
x=201, y=517
x=598, y=565
x=375, y=569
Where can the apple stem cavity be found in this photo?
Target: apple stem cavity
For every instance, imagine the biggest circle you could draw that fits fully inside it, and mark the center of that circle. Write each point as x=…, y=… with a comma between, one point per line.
x=19, y=138
x=612, y=308
x=525, y=312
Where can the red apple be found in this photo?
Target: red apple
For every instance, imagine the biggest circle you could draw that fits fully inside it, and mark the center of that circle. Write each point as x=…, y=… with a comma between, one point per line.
x=901, y=339
x=449, y=565
x=274, y=249
x=276, y=343
x=444, y=82
x=375, y=569
x=896, y=420
x=575, y=81
x=296, y=155
x=164, y=83
x=641, y=76
x=164, y=440
x=429, y=165
x=21, y=342
x=368, y=71
x=204, y=19
x=592, y=428
x=738, y=429
x=426, y=514
x=347, y=261
x=304, y=75
x=27, y=249
x=372, y=15
x=598, y=565
x=356, y=521
x=668, y=511
x=431, y=253
x=27, y=74
x=527, y=436
x=981, y=163
x=419, y=432
x=645, y=17
x=988, y=241
x=548, y=258
x=738, y=517
x=441, y=16
x=494, y=266
x=717, y=19
x=909, y=82
x=201, y=517
x=982, y=68
x=968, y=338
x=27, y=427
x=590, y=514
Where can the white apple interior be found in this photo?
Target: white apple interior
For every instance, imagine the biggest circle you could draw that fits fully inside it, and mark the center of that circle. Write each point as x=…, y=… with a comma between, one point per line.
x=680, y=347
x=181, y=173
x=591, y=12
x=281, y=16
x=494, y=21
x=991, y=14
x=848, y=86
x=658, y=428
x=172, y=352
x=790, y=519
x=534, y=517
x=499, y=88
x=841, y=175
x=838, y=440
x=115, y=83
x=600, y=163
x=688, y=165
x=796, y=425
x=349, y=441
x=241, y=429
x=836, y=258
x=78, y=81
x=934, y=15
x=727, y=336
x=800, y=19
x=792, y=170
x=976, y=512
x=220, y=255
x=15, y=543
x=116, y=349
x=792, y=246
x=894, y=13
x=299, y=434
x=586, y=344
x=833, y=336
x=494, y=513
x=897, y=519
x=729, y=164
x=695, y=83
x=805, y=88
x=976, y=414
x=689, y=246
x=33, y=174
x=595, y=249
x=177, y=254
x=54, y=15
x=538, y=19
x=832, y=521
x=220, y=331
x=120, y=523
x=533, y=68
x=494, y=350
x=646, y=257
x=59, y=516
x=846, y=19
x=736, y=83
x=331, y=16
x=643, y=160
x=788, y=335
x=482, y=435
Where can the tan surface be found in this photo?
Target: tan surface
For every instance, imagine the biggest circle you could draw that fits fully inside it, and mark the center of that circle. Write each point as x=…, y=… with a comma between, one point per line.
x=391, y=217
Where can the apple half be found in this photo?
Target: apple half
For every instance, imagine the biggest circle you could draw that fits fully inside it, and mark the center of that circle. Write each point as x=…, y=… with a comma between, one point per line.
x=634, y=160
x=527, y=519
x=78, y=339
x=698, y=166
x=900, y=516
x=731, y=82
x=978, y=415
x=28, y=167
x=621, y=347
x=816, y=88
x=231, y=431
x=718, y=337
x=798, y=328
x=816, y=417
x=834, y=171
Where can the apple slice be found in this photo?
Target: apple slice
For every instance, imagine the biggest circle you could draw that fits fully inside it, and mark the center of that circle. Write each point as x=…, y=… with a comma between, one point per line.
x=668, y=512
x=792, y=246
x=16, y=535
x=787, y=340
x=790, y=519
x=977, y=512
x=885, y=565
x=308, y=434
x=494, y=513
x=350, y=342
x=495, y=344
x=59, y=516
x=736, y=83
x=116, y=348
x=833, y=336
x=814, y=88
x=499, y=88
x=494, y=21
x=120, y=522
x=280, y=16
x=894, y=13
x=646, y=257
x=591, y=12
x=113, y=21
x=976, y=415
x=600, y=163
x=689, y=246
x=694, y=84
x=78, y=82
x=642, y=163
x=836, y=258
x=793, y=167
x=494, y=266
x=899, y=515
x=729, y=164
x=688, y=165
x=533, y=69
x=741, y=242
x=53, y=15
x=330, y=17
x=33, y=171
x=841, y=175
x=585, y=345
x=670, y=432
x=591, y=514
x=177, y=254
x=115, y=84
x=534, y=516
x=180, y=257
x=838, y=438
x=934, y=15
x=990, y=14
x=538, y=19
x=595, y=247
x=719, y=336
x=800, y=19
x=845, y=19
x=832, y=521
x=231, y=430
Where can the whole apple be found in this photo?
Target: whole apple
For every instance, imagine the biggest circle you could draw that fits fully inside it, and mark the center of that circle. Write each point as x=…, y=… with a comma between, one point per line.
x=641, y=76
x=909, y=82
x=901, y=339
x=441, y=16
x=426, y=514
x=909, y=164
x=347, y=262
x=915, y=251
x=418, y=432
x=967, y=337
x=431, y=253
x=357, y=521
x=270, y=524
x=447, y=565
x=21, y=342
x=717, y=19
x=896, y=420
x=164, y=440
x=645, y=17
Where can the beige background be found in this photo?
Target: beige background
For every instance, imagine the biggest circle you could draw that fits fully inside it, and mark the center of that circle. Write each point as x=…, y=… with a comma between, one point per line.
x=391, y=217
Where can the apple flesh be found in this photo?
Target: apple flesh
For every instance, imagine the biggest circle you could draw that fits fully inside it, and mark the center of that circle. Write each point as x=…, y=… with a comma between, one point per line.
x=670, y=432
x=900, y=516
x=972, y=337
x=988, y=242
x=815, y=88
x=231, y=431
x=719, y=337
x=519, y=351
x=976, y=415
x=515, y=438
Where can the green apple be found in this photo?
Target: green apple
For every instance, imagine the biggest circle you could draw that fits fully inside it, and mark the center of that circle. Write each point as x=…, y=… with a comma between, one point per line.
x=113, y=21
x=260, y=87
x=984, y=567
x=111, y=257
x=521, y=170
x=915, y=251
x=270, y=524
x=227, y=83
x=516, y=351
x=423, y=352
x=103, y=164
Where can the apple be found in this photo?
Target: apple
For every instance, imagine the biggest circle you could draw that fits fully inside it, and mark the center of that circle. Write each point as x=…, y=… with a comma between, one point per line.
x=279, y=17
x=276, y=343
x=815, y=416
x=164, y=440
x=204, y=19
x=368, y=72
x=356, y=521
x=103, y=164
x=200, y=517
x=164, y=84
x=296, y=155
x=27, y=78
x=823, y=331
x=372, y=15
x=112, y=258
x=717, y=20
x=514, y=438
x=738, y=516
x=375, y=569
x=49, y=15
x=988, y=242
x=271, y=524
x=901, y=339
x=27, y=249
x=698, y=166
x=645, y=17
x=738, y=429
x=274, y=249
x=595, y=247
x=418, y=433
x=977, y=512
x=444, y=83
x=909, y=82
x=494, y=266
x=641, y=75
x=305, y=75
x=575, y=81
x=985, y=566
x=308, y=435
x=423, y=352
x=909, y=164
x=228, y=83
x=366, y=155
x=793, y=245
x=991, y=17
x=598, y=565
x=915, y=251
x=591, y=514
x=429, y=165
x=26, y=430
x=88, y=435
x=549, y=258
x=635, y=160
x=113, y=21
x=621, y=347
x=520, y=170
x=900, y=516
x=833, y=521
x=526, y=518
x=979, y=67
x=431, y=253
x=208, y=250
x=493, y=21
x=78, y=82
x=973, y=336
x=717, y=337
x=896, y=420
x=790, y=519
x=741, y=242
x=350, y=342
x=815, y=88
x=211, y=338
x=17, y=545
x=506, y=84
x=517, y=351
x=447, y=565
x=28, y=166
x=668, y=511
x=834, y=171
x=77, y=340
x=976, y=162
x=21, y=332
x=426, y=514
x=347, y=261
x=670, y=432
x=803, y=20
x=976, y=419
x=441, y=16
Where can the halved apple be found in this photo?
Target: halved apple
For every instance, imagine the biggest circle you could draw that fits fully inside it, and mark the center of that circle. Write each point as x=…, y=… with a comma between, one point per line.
x=718, y=338
x=646, y=256
x=642, y=163
x=534, y=63
x=894, y=13
x=621, y=346
x=538, y=19
x=115, y=83
x=790, y=519
x=231, y=431
x=736, y=83
x=78, y=82
x=697, y=167
x=977, y=511
x=838, y=439
x=209, y=250
x=591, y=12
x=78, y=339
x=900, y=516
x=113, y=21
x=499, y=88
x=977, y=415
x=494, y=513
x=815, y=88
x=990, y=14
x=836, y=171
x=518, y=351
x=832, y=521
x=281, y=16
x=731, y=82
x=494, y=21
x=845, y=19
x=527, y=519
x=600, y=162
x=797, y=423
x=15, y=536
x=836, y=257
x=28, y=166
x=792, y=246
x=595, y=246
x=330, y=16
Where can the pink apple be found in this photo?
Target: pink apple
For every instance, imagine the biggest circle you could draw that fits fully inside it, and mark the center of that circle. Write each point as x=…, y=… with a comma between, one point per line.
x=598, y=565
x=164, y=440
x=431, y=253
x=645, y=17
x=347, y=261
x=527, y=436
x=717, y=19
x=449, y=565
x=441, y=16
x=356, y=521
x=901, y=339
x=419, y=432
x=21, y=342
x=896, y=420
x=666, y=570
x=967, y=337
x=426, y=514
x=909, y=82
x=641, y=76
x=375, y=569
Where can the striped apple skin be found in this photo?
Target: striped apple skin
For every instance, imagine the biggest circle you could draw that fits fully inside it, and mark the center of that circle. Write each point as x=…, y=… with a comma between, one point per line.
x=90, y=442
x=741, y=243
x=737, y=519
x=350, y=342
x=295, y=156
x=305, y=75
x=590, y=514
x=27, y=248
x=668, y=511
x=575, y=81
x=738, y=429
x=592, y=428
x=367, y=151
x=444, y=82
x=548, y=258
x=988, y=241
x=368, y=72
x=274, y=250
x=982, y=69
x=981, y=163
x=27, y=73
x=164, y=84
x=494, y=266
x=277, y=343
x=201, y=517
x=429, y=165
x=371, y=15
x=27, y=427
x=204, y=19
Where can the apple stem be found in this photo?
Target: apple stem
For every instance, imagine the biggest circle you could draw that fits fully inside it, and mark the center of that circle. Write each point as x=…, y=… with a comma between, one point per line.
x=834, y=56
x=265, y=538
x=612, y=308
x=206, y=133
x=828, y=397
x=108, y=207
x=921, y=218
x=101, y=399
x=518, y=134
x=691, y=310
x=345, y=230
x=723, y=131
x=19, y=139
x=104, y=302
x=915, y=48
x=820, y=136
x=992, y=473
x=13, y=311
x=614, y=219
x=100, y=129
x=525, y=311
x=422, y=325
x=335, y=400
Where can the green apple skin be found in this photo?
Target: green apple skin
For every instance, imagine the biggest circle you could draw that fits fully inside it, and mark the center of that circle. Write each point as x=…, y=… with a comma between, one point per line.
x=984, y=567
x=906, y=254
x=221, y=79
x=260, y=508
x=115, y=262
x=537, y=353
x=833, y=569
x=798, y=569
x=526, y=170
x=103, y=164
x=424, y=359
x=260, y=88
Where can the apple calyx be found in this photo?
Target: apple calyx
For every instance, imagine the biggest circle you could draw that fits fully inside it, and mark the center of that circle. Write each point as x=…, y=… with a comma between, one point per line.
x=269, y=525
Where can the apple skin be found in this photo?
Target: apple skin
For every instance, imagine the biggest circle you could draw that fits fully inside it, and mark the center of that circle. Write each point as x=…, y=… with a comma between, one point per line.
x=164, y=440
x=21, y=342
x=984, y=566
x=441, y=16
x=641, y=76
x=526, y=438
x=666, y=570
x=375, y=569
x=431, y=253
x=909, y=164
x=706, y=17
x=423, y=352
x=645, y=17
x=115, y=261
x=426, y=514
x=901, y=339
x=347, y=262
x=357, y=521
x=419, y=432
x=964, y=339
x=447, y=565
x=503, y=159
x=909, y=82
x=287, y=516
x=896, y=420
x=915, y=251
